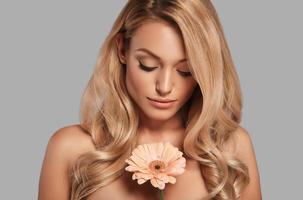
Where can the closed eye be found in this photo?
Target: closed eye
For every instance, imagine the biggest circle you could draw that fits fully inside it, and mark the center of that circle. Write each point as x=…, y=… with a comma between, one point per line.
x=184, y=73
x=149, y=69
x=146, y=68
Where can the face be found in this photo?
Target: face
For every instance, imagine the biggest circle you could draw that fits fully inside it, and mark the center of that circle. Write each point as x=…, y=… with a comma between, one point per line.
x=156, y=69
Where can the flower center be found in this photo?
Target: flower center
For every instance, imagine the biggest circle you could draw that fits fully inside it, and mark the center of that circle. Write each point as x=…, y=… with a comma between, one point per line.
x=156, y=165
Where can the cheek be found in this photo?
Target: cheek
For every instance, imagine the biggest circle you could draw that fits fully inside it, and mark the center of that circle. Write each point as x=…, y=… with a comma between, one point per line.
x=186, y=90
x=136, y=82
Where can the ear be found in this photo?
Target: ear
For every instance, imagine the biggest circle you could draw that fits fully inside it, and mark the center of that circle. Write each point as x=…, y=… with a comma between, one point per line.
x=120, y=48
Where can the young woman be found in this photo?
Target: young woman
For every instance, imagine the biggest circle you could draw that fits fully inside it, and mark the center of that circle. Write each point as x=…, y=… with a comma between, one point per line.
x=164, y=73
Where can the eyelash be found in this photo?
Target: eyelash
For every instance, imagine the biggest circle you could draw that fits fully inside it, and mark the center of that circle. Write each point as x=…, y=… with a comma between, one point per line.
x=149, y=69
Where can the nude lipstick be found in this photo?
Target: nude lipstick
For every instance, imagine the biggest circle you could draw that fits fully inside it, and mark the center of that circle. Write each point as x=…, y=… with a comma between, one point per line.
x=161, y=103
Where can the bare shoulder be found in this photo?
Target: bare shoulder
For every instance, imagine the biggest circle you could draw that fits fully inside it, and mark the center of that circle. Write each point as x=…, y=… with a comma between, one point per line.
x=72, y=140
x=243, y=144
x=63, y=148
x=243, y=149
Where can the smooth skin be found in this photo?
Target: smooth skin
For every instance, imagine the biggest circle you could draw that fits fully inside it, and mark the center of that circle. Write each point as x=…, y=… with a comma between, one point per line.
x=164, y=75
x=67, y=143
x=165, y=81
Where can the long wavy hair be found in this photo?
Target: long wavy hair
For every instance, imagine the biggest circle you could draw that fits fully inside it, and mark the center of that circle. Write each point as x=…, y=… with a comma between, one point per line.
x=211, y=115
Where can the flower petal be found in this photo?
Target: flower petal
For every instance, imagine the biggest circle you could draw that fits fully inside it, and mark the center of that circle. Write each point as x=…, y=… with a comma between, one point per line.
x=163, y=177
x=159, y=150
x=161, y=184
x=145, y=176
x=131, y=168
x=165, y=149
x=176, y=155
x=172, y=179
x=130, y=162
x=176, y=167
x=134, y=176
x=144, y=152
x=169, y=153
x=142, y=160
x=176, y=171
x=149, y=152
x=138, y=153
x=141, y=163
x=152, y=151
x=141, y=181
x=154, y=182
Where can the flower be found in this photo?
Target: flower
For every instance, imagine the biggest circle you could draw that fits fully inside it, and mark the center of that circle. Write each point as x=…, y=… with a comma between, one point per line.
x=157, y=162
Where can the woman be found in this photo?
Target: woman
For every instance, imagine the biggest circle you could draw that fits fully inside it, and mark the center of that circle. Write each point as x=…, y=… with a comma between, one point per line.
x=171, y=51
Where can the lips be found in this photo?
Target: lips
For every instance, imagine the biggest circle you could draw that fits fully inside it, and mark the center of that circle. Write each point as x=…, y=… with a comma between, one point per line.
x=162, y=103
x=161, y=100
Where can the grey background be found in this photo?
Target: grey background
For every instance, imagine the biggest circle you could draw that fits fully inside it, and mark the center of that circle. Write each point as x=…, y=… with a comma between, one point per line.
x=48, y=50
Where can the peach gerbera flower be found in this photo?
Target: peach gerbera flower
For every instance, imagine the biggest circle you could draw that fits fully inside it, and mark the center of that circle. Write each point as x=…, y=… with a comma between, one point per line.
x=157, y=162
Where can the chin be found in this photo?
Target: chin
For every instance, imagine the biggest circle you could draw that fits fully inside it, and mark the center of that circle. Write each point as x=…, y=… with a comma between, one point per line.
x=160, y=115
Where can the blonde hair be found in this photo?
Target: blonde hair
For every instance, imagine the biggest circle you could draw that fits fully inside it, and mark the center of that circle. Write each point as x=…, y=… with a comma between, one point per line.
x=211, y=115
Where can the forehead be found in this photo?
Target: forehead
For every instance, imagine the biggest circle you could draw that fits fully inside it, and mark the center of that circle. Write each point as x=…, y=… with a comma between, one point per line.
x=161, y=39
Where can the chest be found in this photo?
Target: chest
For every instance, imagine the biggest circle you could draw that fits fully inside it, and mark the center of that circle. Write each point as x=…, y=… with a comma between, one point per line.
x=190, y=186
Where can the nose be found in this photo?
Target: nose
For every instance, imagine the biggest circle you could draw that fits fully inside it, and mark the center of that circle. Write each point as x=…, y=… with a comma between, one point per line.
x=164, y=83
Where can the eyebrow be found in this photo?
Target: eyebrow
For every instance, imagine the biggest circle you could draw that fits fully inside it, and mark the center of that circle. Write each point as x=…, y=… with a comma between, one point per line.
x=156, y=56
